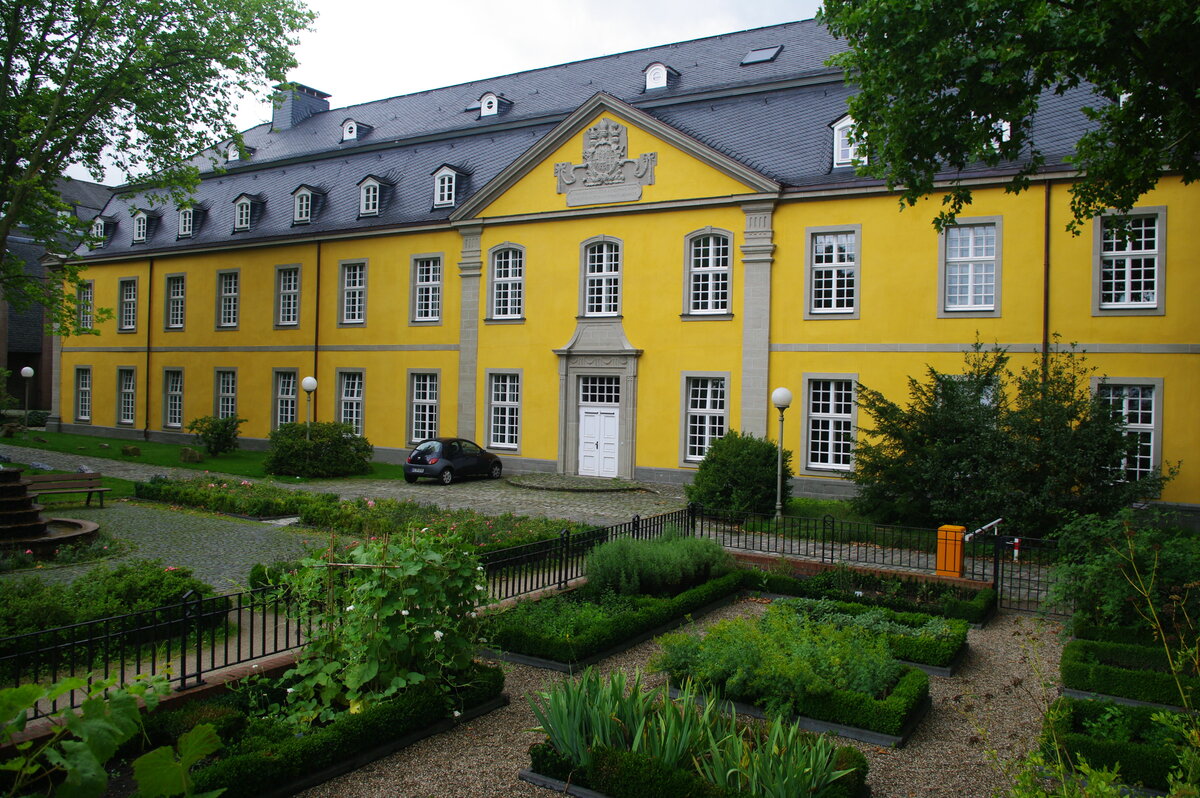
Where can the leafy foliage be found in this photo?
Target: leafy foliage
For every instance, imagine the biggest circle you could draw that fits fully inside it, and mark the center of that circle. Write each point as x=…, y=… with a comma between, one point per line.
x=938, y=79
x=216, y=435
x=661, y=566
x=139, y=85
x=739, y=473
x=385, y=614
x=324, y=449
x=1034, y=447
x=241, y=497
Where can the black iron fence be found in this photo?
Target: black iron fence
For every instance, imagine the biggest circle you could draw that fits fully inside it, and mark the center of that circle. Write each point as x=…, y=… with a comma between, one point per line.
x=204, y=634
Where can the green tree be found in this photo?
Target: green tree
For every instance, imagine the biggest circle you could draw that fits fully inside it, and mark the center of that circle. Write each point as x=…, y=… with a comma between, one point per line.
x=938, y=79
x=1035, y=447
x=141, y=84
x=739, y=474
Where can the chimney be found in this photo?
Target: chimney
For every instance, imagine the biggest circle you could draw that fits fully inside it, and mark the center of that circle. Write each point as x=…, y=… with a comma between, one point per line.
x=294, y=104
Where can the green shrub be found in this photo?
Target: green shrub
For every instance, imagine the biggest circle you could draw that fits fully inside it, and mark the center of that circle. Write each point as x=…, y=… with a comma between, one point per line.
x=322, y=449
x=570, y=626
x=253, y=772
x=216, y=435
x=661, y=566
x=739, y=474
x=270, y=575
x=1107, y=735
x=37, y=418
x=239, y=497
x=1130, y=671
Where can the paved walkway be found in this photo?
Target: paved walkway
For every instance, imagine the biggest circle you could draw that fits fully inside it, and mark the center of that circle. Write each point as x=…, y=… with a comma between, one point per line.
x=221, y=550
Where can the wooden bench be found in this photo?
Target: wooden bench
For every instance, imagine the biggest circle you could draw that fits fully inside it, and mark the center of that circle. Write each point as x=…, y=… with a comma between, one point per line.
x=47, y=484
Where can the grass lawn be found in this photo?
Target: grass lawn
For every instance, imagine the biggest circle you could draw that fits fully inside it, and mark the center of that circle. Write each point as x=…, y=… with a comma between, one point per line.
x=241, y=462
x=819, y=508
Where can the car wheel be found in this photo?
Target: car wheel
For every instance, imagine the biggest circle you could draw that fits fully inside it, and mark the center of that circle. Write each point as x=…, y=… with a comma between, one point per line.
x=447, y=476
x=497, y=469
x=410, y=478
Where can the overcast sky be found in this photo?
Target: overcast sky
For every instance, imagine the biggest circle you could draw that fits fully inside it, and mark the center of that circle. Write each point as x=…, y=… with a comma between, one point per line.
x=362, y=50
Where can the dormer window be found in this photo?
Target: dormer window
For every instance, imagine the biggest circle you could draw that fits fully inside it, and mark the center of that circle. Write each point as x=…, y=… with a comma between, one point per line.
x=99, y=231
x=241, y=214
x=302, y=213
x=845, y=149
x=349, y=130
x=139, y=227
x=232, y=153
x=445, y=186
x=656, y=76
x=489, y=105
x=368, y=198
x=186, y=222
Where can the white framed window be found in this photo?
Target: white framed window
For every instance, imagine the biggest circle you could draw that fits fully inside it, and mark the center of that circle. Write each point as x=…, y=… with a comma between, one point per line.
x=349, y=130
x=508, y=282
x=846, y=151
x=140, y=225
x=98, y=231
x=302, y=207
x=829, y=423
x=599, y=390
x=708, y=273
x=127, y=307
x=427, y=289
x=602, y=278
x=285, y=404
x=423, y=405
x=226, y=399
x=241, y=215
x=232, y=153
x=832, y=262
x=173, y=398
x=186, y=222
x=970, y=268
x=350, y=400
x=287, y=296
x=354, y=293
x=504, y=410
x=656, y=76
x=368, y=199
x=85, y=304
x=83, y=393
x=445, y=184
x=1139, y=405
x=706, y=414
x=228, y=299
x=126, y=396
x=1131, y=253
x=176, y=301
x=489, y=105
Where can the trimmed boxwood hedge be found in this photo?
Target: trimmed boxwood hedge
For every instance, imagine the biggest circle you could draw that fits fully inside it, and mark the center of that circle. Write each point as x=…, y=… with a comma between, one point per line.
x=256, y=773
x=926, y=650
x=240, y=497
x=885, y=715
x=976, y=609
x=1143, y=760
x=1129, y=671
x=623, y=774
x=524, y=639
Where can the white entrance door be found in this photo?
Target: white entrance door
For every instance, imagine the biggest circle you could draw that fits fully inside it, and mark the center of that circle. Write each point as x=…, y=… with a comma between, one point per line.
x=598, y=441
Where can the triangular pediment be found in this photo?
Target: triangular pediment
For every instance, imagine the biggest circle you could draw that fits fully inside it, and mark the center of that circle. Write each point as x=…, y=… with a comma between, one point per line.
x=609, y=153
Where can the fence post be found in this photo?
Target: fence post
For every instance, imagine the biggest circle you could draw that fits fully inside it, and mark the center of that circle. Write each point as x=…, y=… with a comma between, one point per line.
x=828, y=536
x=564, y=544
x=691, y=518
x=190, y=605
x=635, y=527
x=950, y=550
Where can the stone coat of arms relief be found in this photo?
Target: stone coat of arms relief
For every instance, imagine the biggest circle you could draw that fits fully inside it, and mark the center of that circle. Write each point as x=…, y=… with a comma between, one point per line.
x=606, y=174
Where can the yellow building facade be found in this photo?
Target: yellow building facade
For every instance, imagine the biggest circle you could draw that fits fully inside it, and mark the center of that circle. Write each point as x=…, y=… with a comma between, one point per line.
x=614, y=290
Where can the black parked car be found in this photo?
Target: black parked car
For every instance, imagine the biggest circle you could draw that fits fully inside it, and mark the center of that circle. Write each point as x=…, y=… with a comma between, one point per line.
x=444, y=459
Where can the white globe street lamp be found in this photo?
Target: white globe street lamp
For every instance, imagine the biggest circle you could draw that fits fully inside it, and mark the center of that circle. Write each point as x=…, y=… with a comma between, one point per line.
x=27, y=373
x=782, y=399
x=309, y=384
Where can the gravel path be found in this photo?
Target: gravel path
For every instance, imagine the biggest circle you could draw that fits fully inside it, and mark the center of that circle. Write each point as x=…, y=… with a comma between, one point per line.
x=993, y=703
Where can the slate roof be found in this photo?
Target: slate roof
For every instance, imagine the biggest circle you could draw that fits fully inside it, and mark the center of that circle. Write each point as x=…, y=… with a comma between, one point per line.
x=774, y=117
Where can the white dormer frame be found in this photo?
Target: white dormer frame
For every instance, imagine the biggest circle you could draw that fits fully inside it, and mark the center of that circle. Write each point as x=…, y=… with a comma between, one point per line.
x=656, y=76
x=187, y=222
x=846, y=151
x=232, y=153
x=445, y=187
x=241, y=213
x=141, y=223
x=489, y=104
x=99, y=230
x=349, y=130
x=369, y=194
x=302, y=206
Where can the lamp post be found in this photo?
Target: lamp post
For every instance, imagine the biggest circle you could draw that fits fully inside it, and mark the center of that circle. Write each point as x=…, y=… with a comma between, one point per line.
x=309, y=384
x=27, y=373
x=782, y=399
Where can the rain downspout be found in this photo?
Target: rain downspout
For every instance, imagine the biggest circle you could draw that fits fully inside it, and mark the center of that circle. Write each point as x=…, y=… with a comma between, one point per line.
x=316, y=326
x=149, y=332
x=1046, y=282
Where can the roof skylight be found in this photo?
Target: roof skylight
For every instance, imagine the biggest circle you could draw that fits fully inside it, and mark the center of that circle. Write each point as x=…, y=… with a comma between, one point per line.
x=762, y=55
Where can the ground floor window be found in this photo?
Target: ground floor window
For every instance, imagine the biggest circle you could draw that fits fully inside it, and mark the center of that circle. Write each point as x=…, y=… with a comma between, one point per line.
x=350, y=400
x=83, y=394
x=424, y=406
x=173, y=391
x=705, y=414
x=1136, y=406
x=830, y=423
x=504, y=399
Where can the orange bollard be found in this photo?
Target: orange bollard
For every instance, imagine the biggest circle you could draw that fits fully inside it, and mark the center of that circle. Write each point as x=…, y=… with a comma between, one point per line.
x=950, y=550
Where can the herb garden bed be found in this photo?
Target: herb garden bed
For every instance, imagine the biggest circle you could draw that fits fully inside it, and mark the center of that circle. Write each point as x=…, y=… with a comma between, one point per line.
x=1122, y=672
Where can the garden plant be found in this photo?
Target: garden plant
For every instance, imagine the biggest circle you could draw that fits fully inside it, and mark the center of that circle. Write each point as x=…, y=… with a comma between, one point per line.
x=320, y=449
x=217, y=435
x=739, y=474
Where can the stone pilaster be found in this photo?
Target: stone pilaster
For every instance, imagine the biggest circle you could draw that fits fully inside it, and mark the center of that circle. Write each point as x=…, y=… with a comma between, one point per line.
x=470, y=270
x=758, y=249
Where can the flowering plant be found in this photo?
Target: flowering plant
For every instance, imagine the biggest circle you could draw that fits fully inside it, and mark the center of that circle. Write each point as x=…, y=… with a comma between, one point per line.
x=385, y=613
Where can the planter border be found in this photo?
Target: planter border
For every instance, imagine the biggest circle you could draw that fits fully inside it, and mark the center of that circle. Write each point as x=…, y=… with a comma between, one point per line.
x=576, y=666
x=538, y=780
x=1091, y=695
x=819, y=726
